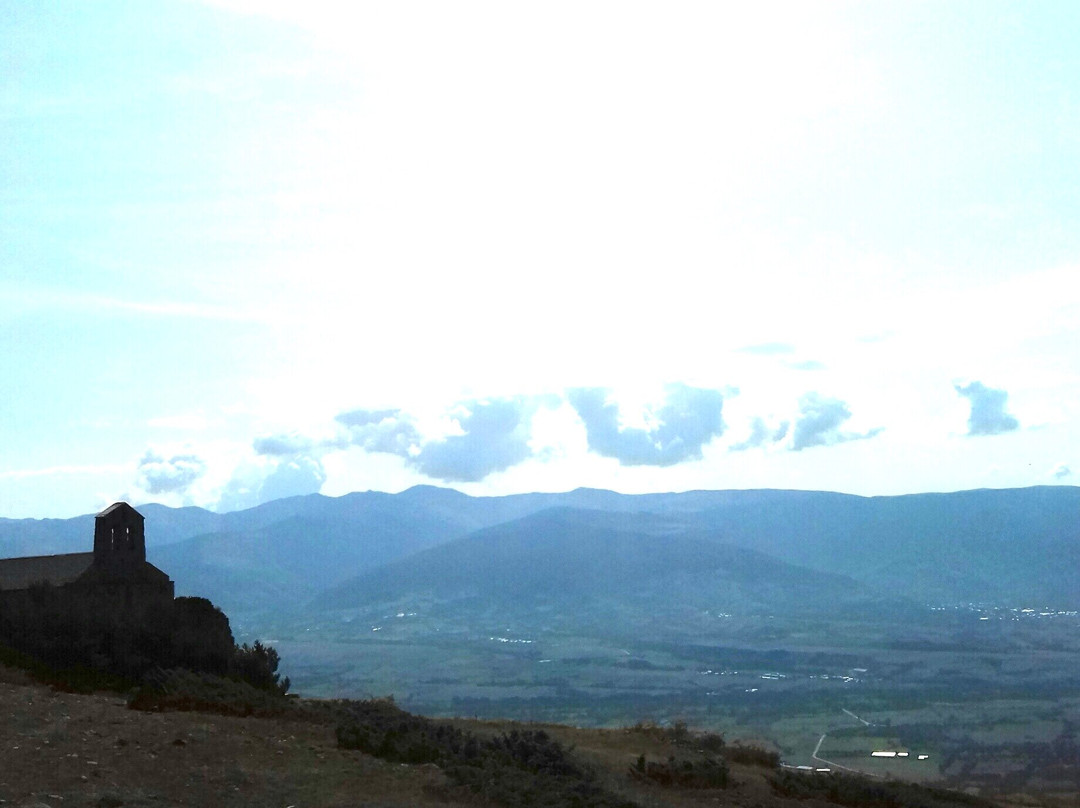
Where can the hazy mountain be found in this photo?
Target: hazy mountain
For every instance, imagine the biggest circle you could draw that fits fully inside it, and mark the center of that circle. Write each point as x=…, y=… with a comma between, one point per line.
x=572, y=559
x=165, y=525
x=31, y=537
x=1013, y=547
x=281, y=554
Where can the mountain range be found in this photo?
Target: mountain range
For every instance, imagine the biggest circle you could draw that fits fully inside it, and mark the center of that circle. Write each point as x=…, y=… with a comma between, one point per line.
x=761, y=549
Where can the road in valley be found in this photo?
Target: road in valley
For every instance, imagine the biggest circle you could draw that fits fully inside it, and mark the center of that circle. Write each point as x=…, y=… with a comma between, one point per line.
x=821, y=740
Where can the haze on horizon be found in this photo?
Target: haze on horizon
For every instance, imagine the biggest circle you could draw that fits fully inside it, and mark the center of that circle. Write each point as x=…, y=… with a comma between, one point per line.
x=256, y=249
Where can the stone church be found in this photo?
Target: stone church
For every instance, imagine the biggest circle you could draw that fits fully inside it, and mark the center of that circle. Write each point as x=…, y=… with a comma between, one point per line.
x=115, y=576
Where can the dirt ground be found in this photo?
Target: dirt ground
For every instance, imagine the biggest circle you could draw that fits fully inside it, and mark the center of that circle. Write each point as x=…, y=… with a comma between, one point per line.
x=63, y=750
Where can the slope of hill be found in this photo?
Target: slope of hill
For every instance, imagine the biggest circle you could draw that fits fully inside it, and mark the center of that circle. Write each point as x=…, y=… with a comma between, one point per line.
x=1017, y=546
x=575, y=560
x=91, y=750
x=277, y=558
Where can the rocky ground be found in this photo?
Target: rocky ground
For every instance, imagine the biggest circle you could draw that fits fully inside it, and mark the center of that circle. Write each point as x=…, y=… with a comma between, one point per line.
x=62, y=749
x=65, y=750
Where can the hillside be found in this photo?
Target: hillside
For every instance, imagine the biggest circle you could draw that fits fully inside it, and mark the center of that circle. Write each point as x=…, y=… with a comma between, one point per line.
x=570, y=561
x=1017, y=545
x=277, y=558
x=63, y=749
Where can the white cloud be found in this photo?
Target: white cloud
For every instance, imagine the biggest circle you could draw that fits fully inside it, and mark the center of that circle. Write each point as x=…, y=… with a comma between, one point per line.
x=673, y=432
x=819, y=423
x=988, y=415
x=169, y=473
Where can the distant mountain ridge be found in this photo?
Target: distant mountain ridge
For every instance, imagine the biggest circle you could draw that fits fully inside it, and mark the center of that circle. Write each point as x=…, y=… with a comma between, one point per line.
x=1011, y=546
x=568, y=558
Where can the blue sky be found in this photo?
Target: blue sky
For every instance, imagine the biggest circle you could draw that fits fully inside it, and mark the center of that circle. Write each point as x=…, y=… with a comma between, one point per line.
x=250, y=249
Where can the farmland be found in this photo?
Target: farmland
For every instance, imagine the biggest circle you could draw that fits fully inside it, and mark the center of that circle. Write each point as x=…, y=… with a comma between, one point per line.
x=988, y=702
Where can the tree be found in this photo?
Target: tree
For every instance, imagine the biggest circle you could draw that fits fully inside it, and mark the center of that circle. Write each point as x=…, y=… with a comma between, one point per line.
x=257, y=665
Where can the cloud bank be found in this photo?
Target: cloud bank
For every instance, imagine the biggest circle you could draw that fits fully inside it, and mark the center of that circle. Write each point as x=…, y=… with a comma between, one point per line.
x=689, y=419
x=481, y=437
x=281, y=445
x=988, y=416
x=761, y=434
x=293, y=477
x=253, y=485
x=160, y=475
x=819, y=422
x=389, y=431
x=493, y=436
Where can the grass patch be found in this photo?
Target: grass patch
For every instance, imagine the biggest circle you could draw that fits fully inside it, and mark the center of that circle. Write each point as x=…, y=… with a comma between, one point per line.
x=844, y=789
x=679, y=735
x=705, y=773
x=526, y=767
x=749, y=755
x=181, y=690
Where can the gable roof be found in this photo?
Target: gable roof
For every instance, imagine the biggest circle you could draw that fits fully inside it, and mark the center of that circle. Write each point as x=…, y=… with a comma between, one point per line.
x=116, y=507
x=22, y=573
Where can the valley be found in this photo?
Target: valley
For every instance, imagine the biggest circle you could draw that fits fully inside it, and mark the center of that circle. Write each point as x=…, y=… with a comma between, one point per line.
x=993, y=708
x=943, y=626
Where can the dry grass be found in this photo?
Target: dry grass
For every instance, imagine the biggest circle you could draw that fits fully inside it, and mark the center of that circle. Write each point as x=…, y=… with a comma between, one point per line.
x=63, y=749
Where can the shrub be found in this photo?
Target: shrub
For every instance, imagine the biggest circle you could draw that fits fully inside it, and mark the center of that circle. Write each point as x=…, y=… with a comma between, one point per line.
x=680, y=735
x=51, y=627
x=852, y=790
x=186, y=691
x=257, y=665
x=704, y=773
x=516, y=768
x=752, y=756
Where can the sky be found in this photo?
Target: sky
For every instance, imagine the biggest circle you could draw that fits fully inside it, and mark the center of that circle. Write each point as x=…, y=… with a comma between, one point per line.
x=251, y=250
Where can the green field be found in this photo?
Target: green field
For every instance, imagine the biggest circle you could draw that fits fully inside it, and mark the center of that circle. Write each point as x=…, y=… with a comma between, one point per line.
x=997, y=713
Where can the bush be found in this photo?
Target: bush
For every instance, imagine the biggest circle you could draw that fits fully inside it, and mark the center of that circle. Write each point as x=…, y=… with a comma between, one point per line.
x=200, y=638
x=379, y=728
x=705, y=773
x=257, y=665
x=51, y=627
x=846, y=789
x=186, y=691
x=678, y=734
x=515, y=768
x=752, y=756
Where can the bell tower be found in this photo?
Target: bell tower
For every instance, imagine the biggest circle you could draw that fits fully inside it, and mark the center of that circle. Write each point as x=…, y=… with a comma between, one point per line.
x=119, y=539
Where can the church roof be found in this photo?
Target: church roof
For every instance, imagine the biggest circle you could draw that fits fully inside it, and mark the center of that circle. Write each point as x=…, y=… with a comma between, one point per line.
x=118, y=506
x=22, y=573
